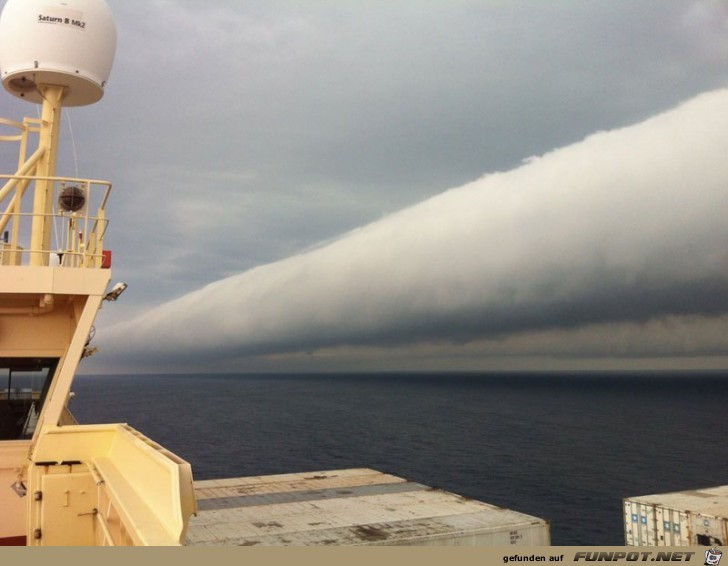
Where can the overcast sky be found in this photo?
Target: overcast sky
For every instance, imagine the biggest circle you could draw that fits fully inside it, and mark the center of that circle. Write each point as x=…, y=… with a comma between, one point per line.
x=412, y=185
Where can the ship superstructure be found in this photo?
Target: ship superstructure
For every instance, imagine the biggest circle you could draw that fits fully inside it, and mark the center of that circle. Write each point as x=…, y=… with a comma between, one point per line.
x=60, y=482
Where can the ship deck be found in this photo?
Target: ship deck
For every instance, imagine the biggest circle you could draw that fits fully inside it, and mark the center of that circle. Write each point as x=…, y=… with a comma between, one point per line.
x=349, y=508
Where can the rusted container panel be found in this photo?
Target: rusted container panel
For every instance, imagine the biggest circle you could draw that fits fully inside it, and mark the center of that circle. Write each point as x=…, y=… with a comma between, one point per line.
x=351, y=507
x=696, y=517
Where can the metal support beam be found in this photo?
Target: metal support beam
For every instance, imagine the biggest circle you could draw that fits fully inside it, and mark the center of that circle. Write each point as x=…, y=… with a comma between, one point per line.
x=43, y=197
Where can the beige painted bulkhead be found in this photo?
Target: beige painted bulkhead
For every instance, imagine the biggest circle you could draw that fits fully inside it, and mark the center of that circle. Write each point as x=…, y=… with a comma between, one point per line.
x=67, y=484
x=86, y=485
x=42, y=310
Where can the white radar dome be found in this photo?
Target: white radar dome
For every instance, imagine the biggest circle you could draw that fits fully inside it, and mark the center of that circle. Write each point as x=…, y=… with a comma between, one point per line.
x=67, y=43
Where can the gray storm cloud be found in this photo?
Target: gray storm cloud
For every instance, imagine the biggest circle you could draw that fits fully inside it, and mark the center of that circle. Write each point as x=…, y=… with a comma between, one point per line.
x=626, y=227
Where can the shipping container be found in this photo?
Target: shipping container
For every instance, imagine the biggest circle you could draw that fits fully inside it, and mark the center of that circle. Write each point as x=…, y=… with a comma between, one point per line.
x=348, y=508
x=696, y=517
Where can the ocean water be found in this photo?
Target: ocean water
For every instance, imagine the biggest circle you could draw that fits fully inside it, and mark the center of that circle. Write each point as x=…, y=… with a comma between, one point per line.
x=563, y=447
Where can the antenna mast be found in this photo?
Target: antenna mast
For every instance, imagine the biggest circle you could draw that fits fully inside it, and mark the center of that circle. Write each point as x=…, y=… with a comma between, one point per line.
x=54, y=53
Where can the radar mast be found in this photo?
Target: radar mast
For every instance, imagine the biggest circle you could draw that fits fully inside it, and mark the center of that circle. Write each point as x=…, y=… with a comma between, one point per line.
x=56, y=54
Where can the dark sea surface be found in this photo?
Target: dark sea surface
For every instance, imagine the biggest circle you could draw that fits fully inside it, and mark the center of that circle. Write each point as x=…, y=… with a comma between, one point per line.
x=563, y=447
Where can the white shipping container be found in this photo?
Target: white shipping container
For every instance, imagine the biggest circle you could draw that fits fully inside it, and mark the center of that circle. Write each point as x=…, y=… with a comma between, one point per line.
x=685, y=518
x=351, y=507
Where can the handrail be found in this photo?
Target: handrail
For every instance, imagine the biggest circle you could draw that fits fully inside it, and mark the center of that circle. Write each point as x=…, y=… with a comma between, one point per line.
x=12, y=124
x=76, y=180
x=80, y=237
x=79, y=240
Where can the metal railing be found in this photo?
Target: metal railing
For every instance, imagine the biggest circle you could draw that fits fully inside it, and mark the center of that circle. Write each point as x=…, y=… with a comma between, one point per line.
x=53, y=233
x=76, y=238
x=19, y=395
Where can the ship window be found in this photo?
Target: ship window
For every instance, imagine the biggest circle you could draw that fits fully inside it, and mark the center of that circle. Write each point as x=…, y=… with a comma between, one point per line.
x=24, y=384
